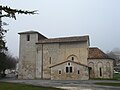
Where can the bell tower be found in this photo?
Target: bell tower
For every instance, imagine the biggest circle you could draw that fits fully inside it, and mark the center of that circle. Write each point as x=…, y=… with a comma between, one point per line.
x=27, y=54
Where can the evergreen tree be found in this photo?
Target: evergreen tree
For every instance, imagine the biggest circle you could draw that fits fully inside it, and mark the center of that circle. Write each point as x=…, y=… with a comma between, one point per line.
x=10, y=12
x=5, y=61
x=3, y=47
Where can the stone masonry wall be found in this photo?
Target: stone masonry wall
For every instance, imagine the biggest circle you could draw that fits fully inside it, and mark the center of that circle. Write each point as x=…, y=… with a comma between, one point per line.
x=55, y=53
x=106, y=66
x=27, y=56
x=79, y=72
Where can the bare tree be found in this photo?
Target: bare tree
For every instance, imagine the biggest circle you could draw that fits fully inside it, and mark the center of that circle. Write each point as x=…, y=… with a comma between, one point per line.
x=8, y=62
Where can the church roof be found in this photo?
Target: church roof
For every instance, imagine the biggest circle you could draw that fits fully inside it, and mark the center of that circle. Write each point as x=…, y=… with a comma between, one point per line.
x=29, y=32
x=96, y=53
x=40, y=36
x=65, y=39
x=68, y=61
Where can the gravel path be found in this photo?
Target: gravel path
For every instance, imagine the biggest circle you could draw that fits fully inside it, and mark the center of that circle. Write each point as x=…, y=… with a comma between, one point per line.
x=66, y=84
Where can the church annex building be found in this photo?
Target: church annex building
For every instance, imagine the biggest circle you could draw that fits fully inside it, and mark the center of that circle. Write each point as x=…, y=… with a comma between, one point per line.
x=66, y=58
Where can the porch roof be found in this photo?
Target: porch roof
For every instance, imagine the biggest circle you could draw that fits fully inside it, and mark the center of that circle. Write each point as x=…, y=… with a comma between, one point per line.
x=68, y=61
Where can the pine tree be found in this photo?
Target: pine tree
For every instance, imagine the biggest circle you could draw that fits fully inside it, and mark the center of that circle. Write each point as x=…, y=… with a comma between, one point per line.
x=11, y=13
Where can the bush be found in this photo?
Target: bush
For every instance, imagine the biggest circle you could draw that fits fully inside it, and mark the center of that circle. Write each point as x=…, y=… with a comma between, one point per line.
x=2, y=75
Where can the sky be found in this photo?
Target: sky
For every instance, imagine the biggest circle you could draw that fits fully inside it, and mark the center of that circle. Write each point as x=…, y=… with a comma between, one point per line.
x=100, y=19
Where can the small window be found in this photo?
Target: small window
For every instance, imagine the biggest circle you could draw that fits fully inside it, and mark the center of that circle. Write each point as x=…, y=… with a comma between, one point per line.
x=70, y=69
x=28, y=37
x=78, y=71
x=69, y=63
x=72, y=58
x=100, y=72
x=67, y=69
x=50, y=60
x=60, y=72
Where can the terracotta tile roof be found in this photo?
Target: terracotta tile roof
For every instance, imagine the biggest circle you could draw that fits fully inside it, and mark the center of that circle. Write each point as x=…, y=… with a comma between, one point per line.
x=96, y=53
x=68, y=61
x=65, y=39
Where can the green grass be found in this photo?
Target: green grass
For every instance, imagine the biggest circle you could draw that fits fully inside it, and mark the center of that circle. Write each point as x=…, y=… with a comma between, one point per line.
x=102, y=79
x=116, y=76
x=108, y=84
x=13, y=86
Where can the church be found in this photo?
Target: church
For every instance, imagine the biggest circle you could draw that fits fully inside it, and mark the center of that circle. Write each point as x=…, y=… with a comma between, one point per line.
x=65, y=58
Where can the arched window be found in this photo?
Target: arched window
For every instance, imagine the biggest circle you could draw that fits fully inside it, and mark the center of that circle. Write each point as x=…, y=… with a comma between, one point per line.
x=68, y=63
x=69, y=69
x=59, y=71
x=73, y=58
x=50, y=60
x=100, y=71
x=91, y=69
x=28, y=37
x=78, y=71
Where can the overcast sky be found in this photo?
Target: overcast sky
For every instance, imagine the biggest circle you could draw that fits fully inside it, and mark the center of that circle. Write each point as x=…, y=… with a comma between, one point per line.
x=100, y=19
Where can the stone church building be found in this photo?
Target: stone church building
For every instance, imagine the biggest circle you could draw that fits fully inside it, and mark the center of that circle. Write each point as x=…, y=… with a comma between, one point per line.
x=66, y=58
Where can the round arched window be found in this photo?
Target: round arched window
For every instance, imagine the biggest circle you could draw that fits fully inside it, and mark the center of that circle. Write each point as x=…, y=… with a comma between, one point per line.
x=73, y=58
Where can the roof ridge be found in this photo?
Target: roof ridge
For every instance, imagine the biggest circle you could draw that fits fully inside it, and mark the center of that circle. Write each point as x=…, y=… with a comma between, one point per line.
x=67, y=61
x=65, y=39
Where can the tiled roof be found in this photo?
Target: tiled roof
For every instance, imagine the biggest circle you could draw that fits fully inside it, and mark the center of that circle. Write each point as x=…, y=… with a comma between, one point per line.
x=65, y=39
x=96, y=53
x=68, y=61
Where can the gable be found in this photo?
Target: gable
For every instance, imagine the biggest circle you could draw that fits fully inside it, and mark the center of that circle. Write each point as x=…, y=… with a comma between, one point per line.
x=68, y=62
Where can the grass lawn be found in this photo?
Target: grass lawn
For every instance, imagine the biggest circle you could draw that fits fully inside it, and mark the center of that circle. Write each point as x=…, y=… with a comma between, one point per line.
x=108, y=84
x=116, y=76
x=13, y=86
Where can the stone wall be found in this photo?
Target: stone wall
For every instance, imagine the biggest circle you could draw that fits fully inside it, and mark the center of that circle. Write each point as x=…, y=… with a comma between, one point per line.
x=54, y=53
x=106, y=66
x=79, y=72
x=35, y=59
x=27, y=56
